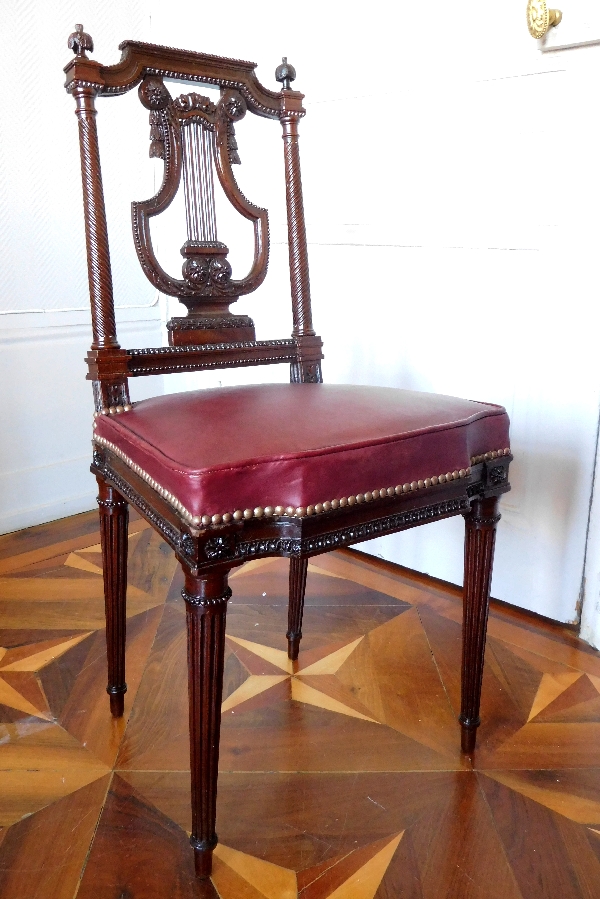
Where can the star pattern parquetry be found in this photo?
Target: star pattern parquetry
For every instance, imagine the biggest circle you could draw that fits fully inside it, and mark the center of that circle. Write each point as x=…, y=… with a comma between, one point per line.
x=313, y=683
x=20, y=685
x=340, y=774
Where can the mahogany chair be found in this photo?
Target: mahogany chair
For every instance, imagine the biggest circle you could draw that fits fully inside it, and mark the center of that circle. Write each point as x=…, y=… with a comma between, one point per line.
x=231, y=474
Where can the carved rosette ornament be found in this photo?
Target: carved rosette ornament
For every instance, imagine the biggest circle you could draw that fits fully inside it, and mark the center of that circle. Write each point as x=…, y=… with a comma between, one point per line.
x=206, y=268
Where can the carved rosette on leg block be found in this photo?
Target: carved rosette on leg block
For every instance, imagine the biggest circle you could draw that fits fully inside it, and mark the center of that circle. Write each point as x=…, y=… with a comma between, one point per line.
x=206, y=605
x=480, y=538
x=114, y=520
x=298, y=570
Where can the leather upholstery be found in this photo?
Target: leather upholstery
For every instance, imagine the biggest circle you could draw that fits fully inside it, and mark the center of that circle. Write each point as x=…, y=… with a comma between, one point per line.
x=235, y=448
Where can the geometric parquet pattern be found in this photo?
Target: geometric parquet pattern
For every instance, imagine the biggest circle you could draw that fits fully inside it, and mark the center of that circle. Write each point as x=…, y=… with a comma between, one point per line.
x=341, y=775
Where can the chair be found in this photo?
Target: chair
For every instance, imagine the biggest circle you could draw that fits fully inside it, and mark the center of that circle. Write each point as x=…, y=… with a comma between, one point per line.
x=231, y=474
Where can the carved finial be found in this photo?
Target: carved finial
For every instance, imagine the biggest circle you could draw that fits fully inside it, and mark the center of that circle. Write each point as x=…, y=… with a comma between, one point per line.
x=285, y=74
x=79, y=42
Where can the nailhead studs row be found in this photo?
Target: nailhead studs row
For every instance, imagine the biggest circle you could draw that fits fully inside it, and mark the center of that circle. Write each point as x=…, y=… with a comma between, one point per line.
x=170, y=498
x=112, y=410
x=487, y=457
x=292, y=511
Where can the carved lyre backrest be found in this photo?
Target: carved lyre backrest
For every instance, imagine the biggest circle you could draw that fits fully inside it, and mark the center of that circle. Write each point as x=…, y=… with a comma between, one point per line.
x=195, y=138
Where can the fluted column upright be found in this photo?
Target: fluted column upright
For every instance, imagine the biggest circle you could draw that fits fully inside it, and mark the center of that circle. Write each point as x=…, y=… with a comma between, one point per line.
x=206, y=607
x=298, y=570
x=114, y=520
x=480, y=538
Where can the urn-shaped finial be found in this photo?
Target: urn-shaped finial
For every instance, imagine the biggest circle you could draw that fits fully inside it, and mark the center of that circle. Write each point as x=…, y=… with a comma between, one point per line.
x=285, y=74
x=79, y=42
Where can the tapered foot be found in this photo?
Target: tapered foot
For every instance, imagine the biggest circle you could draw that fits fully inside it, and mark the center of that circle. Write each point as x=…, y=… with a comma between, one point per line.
x=117, y=703
x=298, y=570
x=203, y=862
x=468, y=738
x=293, y=646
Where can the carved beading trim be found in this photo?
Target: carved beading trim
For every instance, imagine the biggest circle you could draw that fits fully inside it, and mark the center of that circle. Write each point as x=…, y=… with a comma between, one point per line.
x=205, y=366
x=214, y=602
x=205, y=350
x=196, y=324
x=481, y=522
x=280, y=511
x=211, y=347
x=111, y=503
x=79, y=83
x=353, y=534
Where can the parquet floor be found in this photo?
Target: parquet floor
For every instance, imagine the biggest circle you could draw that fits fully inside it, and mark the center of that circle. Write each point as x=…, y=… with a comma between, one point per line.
x=341, y=776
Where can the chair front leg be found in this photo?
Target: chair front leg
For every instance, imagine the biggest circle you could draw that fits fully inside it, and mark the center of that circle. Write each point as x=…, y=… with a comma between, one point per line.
x=114, y=520
x=298, y=570
x=480, y=537
x=206, y=607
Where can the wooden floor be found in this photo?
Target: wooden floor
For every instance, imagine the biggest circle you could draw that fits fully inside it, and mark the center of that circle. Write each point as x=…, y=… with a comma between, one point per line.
x=341, y=777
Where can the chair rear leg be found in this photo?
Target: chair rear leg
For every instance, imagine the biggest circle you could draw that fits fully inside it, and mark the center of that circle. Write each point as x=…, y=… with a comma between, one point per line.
x=114, y=519
x=480, y=537
x=206, y=607
x=298, y=569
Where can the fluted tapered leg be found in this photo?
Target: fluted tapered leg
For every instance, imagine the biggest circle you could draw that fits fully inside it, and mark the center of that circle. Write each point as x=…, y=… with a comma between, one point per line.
x=298, y=569
x=480, y=536
x=114, y=519
x=206, y=605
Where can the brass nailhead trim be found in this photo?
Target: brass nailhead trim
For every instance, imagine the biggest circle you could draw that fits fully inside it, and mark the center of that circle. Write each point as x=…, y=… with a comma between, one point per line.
x=292, y=511
x=487, y=457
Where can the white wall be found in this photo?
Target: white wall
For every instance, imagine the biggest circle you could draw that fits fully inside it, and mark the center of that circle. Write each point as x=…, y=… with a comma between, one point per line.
x=483, y=269
x=45, y=331
x=450, y=184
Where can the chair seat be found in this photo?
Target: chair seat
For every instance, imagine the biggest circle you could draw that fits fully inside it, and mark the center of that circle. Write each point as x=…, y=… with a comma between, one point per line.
x=228, y=450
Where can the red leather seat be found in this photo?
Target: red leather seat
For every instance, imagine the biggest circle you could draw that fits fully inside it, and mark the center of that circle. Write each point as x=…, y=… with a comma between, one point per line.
x=295, y=447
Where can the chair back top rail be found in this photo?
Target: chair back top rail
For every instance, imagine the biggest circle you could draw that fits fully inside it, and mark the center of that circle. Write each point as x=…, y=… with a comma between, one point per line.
x=139, y=59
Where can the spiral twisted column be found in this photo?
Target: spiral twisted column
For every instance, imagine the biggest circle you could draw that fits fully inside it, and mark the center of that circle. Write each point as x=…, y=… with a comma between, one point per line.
x=480, y=538
x=299, y=277
x=206, y=607
x=96, y=234
x=114, y=519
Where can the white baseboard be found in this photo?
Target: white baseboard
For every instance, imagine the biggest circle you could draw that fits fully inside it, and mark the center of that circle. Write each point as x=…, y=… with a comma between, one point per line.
x=40, y=514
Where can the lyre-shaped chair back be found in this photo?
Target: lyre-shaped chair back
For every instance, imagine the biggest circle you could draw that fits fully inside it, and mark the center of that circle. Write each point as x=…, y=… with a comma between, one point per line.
x=195, y=138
